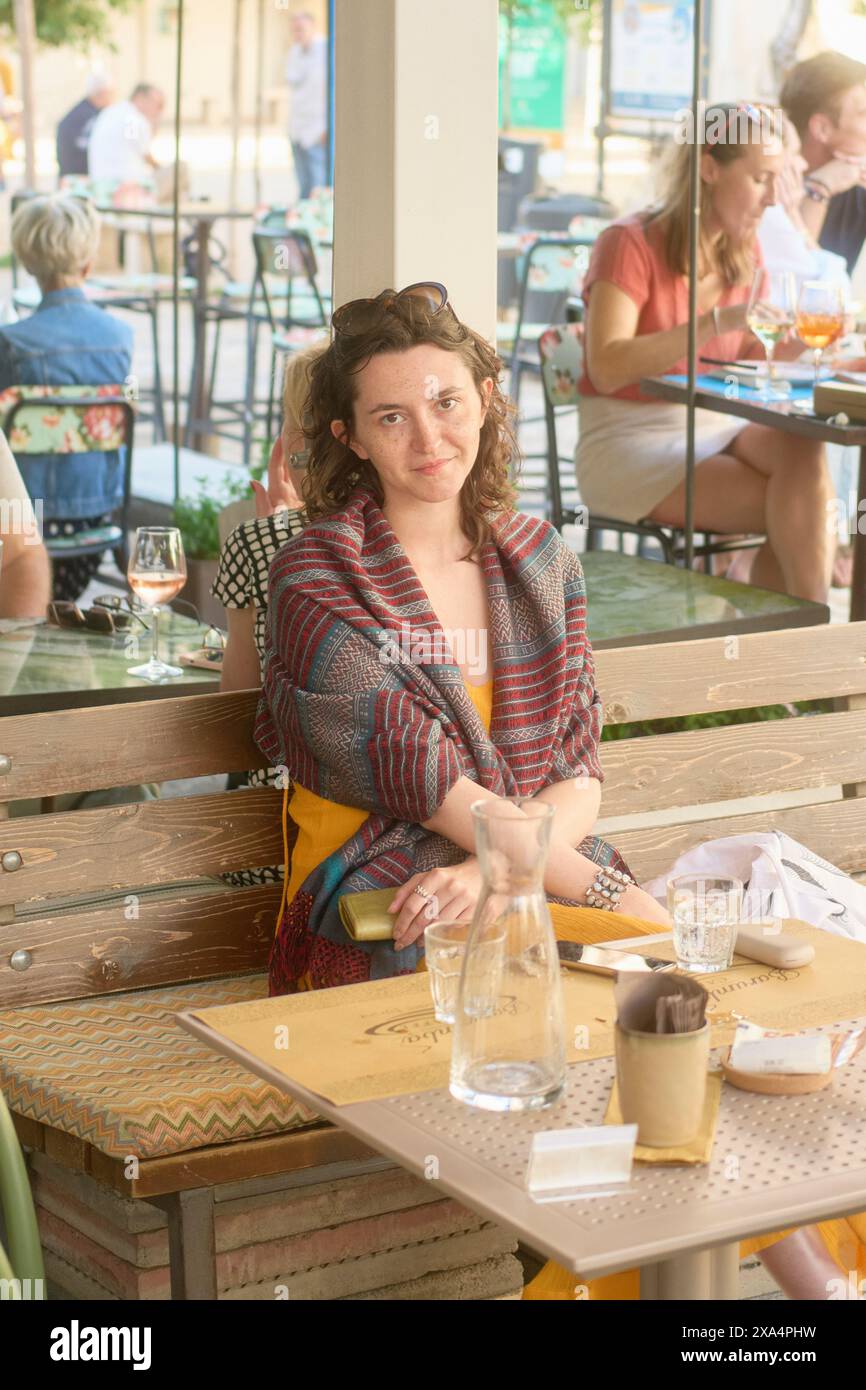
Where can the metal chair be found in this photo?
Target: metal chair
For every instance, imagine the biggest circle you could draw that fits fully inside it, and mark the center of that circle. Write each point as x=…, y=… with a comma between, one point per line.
x=81, y=419
x=553, y=269
x=560, y=349
x=283, y=297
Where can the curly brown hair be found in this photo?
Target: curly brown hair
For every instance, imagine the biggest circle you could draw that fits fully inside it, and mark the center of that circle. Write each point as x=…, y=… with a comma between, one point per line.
x=334, y=471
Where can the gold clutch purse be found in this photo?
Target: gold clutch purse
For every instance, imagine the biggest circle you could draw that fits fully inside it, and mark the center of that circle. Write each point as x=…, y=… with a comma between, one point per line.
x=365, y=915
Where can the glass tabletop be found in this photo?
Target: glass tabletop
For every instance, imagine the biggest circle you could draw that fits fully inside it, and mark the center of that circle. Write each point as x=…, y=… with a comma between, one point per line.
x=631, y=598
x=46, y=667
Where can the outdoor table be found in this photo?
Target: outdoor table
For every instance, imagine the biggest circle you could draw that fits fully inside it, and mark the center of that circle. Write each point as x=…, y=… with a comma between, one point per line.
x=43, y=667
x=784, y=416
x=776, y=1162
x=203, y=215
x=631, y=601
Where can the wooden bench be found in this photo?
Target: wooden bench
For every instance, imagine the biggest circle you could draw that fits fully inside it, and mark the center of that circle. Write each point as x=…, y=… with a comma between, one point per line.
x=97, y=951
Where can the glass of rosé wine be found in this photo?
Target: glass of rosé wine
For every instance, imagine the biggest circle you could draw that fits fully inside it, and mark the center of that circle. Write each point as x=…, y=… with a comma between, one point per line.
x=820, y=317
x=156, y=574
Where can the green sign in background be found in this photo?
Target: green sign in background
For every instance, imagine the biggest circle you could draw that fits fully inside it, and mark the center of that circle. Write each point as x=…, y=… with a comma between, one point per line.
x=537, y=69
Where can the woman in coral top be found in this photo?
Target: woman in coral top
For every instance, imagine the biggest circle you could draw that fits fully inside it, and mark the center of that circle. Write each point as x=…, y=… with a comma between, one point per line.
x=632, y=449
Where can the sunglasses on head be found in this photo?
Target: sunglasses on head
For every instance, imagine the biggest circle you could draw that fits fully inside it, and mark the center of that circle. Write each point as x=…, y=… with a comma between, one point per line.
x=359, y=315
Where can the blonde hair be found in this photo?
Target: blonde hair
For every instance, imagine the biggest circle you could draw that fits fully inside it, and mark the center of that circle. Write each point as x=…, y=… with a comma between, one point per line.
x=296, y=385
x=55, y=237
x=735, y=260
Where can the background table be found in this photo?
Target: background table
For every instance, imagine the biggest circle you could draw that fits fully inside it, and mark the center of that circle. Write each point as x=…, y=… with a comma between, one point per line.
x=781, y=415
x=632, y=601
x=203, y=215
x=47, y=668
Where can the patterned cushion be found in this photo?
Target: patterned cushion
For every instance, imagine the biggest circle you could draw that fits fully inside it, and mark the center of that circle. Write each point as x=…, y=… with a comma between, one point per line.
x=119, y=1073
x=54, y=428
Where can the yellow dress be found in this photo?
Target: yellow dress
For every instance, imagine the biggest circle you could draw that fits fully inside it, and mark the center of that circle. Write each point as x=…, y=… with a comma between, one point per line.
x=323, y=826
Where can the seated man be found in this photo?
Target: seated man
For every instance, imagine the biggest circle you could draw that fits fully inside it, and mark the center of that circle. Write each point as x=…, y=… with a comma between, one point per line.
x=66, y=342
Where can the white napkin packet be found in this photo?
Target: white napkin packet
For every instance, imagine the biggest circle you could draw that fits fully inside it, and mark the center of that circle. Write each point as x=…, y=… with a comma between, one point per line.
x=564, y=1163
x=760, y=1051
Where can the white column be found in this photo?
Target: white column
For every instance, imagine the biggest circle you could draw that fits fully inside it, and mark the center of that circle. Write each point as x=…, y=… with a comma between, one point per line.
x=416, y=150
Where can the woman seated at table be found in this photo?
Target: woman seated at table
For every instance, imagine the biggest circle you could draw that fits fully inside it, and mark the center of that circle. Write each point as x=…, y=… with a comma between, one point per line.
x=632, y=449
x=389, y=730
x=67, y=341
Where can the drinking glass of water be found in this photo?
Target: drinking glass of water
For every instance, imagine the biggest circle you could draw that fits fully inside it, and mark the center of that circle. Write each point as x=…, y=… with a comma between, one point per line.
x=705, y=912
x=445, y=951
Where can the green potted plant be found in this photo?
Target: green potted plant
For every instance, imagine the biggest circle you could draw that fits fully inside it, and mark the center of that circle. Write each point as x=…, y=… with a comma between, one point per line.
x=197, y=518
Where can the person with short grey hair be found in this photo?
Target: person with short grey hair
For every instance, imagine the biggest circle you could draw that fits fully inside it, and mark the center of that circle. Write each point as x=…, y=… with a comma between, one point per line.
x=67, y=341
x=56, y=239
x=73, y=132
x=121, y=137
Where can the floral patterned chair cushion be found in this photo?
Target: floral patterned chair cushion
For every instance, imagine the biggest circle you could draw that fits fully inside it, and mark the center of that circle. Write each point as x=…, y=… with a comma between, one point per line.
x=48, y=426
x=561, y=350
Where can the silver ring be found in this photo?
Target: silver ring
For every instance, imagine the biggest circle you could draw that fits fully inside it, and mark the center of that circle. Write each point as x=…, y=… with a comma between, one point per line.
x=422, y=892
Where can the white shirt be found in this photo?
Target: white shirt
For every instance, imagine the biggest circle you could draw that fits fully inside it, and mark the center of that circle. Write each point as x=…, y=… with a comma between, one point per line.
x=119, y=140
x=784, y=248
x=307, y=75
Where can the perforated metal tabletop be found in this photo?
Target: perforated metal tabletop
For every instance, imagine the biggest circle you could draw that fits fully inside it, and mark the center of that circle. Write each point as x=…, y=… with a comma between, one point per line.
x=777, y=1162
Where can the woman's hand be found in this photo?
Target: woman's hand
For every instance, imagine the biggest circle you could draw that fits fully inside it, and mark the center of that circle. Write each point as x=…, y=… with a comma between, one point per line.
x=453, y=894
x=732, y=318
x=281, y=490
x=636, y=903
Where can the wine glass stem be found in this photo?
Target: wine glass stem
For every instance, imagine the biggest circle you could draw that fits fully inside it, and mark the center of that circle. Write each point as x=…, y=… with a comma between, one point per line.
x=769, y=354
x=818, y=353
x=155, y=657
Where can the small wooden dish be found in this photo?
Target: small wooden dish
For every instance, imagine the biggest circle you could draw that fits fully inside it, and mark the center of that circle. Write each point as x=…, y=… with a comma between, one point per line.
x=777, y=1083
x=782, y=1083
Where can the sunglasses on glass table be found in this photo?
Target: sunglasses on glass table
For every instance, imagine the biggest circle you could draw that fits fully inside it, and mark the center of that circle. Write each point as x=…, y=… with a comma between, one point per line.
x=108, y=617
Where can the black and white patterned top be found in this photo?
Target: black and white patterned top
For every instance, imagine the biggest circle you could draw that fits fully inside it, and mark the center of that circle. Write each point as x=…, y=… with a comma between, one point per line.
x=242, y=579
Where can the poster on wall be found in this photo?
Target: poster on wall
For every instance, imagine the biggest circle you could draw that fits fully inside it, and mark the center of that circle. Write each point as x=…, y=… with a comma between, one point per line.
x=532, y=69
x=650, y=57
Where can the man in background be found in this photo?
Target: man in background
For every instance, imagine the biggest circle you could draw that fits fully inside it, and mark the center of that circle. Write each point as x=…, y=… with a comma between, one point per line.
x=121, y=137
x=307, y=76
x=73, y=132
x=825, y=97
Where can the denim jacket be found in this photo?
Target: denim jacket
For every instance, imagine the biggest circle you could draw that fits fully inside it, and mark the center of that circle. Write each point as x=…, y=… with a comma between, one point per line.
x=68, y=341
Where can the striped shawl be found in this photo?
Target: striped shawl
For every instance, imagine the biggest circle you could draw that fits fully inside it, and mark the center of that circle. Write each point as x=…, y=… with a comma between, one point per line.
x=355, y=719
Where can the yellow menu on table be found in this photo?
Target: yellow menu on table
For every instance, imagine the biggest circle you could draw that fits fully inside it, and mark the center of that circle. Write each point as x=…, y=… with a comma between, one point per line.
x=370, y=1041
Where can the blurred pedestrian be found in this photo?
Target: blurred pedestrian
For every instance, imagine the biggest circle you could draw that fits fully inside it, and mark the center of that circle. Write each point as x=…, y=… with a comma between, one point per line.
x=122, y=135
x=307, y=76
x=73, y=132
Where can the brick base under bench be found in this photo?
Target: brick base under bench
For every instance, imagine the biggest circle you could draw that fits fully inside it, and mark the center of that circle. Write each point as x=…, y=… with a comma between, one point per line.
x=382, y=1235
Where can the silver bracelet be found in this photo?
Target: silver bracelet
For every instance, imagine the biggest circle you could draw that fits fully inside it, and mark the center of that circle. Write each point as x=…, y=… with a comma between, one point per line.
x=607, y=888
x=716, y=320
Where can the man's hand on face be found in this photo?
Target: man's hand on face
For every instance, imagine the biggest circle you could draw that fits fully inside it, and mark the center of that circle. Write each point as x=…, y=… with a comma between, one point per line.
x=842, y=172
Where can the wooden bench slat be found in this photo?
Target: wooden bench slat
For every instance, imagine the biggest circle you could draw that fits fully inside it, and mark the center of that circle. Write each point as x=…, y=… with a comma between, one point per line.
x=117, y=745
x=706, y=765
x=834, y=829
x=103, y=951
x=717, y=673
x=311, y=1148
x=148, y=842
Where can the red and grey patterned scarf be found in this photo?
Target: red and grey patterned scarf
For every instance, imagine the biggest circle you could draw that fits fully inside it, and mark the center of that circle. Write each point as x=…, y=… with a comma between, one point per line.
x=361, y=717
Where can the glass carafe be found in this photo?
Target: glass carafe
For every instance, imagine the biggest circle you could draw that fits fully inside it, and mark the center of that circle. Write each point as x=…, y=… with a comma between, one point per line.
x=508, y=1043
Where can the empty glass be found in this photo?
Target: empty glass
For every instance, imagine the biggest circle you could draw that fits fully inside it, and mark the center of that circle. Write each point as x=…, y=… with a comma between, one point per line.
x=445, y=950
x=508, y=1048
x=705, y=912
